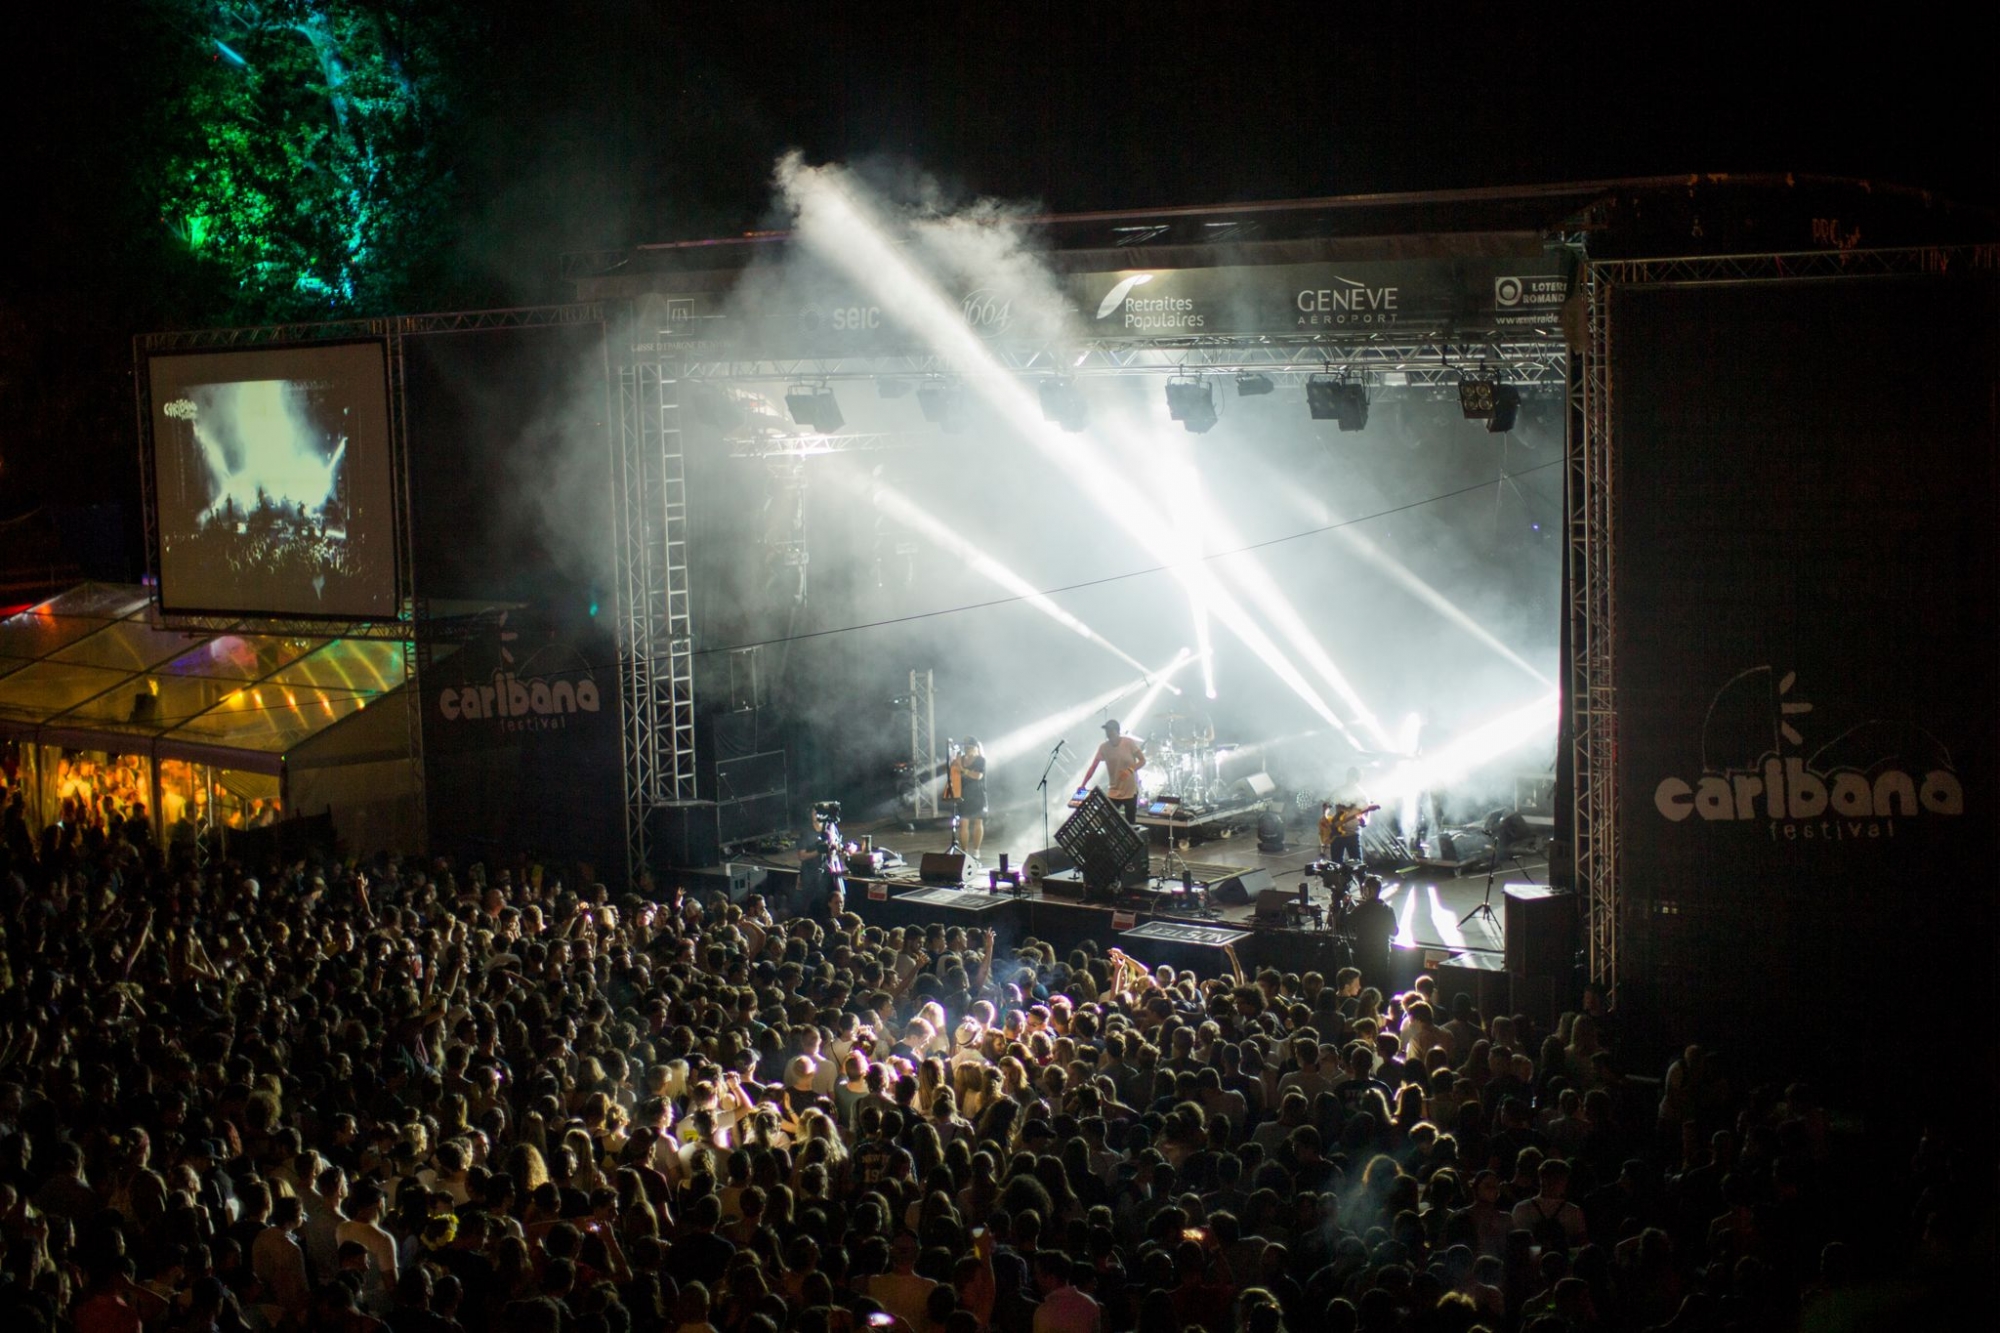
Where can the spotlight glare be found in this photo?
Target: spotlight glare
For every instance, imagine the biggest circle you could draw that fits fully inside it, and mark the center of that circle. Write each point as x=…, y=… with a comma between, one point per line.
x=833, y=222
x=1064, y=405
x=906, y=511
x=1483, y=743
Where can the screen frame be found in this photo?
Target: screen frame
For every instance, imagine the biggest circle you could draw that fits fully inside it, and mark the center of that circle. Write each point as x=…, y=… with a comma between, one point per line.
x=150, y=353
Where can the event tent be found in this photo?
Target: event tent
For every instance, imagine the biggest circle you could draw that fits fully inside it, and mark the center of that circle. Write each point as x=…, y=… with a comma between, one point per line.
x=214, y=719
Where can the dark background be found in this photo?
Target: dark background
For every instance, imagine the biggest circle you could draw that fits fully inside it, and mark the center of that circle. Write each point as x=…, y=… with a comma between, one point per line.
x=607, y=122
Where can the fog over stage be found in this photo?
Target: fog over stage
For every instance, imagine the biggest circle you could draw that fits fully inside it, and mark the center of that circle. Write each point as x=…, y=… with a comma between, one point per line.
x=1406, y=575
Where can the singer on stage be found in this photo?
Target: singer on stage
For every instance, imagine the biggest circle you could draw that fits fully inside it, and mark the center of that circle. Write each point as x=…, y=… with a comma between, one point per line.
x=1122, y=760
x=968, y=785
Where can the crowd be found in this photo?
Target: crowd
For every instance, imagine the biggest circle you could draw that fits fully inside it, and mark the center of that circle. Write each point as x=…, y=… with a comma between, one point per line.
x=422, y=1098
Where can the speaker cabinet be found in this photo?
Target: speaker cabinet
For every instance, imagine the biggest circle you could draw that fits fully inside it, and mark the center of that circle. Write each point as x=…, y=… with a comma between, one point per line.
x=1240, y=889
x=684, y=836
x=1540, y=951
x=942, y=868
x=1048, y=861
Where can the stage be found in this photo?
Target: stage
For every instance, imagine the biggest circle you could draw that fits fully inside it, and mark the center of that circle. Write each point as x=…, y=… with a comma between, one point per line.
x=1429, y=904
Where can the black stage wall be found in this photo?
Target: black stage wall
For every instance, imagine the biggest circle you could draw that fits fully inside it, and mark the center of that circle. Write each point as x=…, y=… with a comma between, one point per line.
x=1807, y=662
x=510, y=482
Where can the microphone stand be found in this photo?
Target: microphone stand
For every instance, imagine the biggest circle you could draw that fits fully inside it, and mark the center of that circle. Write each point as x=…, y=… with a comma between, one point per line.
x=1043, y=786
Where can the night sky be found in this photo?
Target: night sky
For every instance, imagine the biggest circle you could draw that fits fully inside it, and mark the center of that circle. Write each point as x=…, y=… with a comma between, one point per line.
x=607, y=122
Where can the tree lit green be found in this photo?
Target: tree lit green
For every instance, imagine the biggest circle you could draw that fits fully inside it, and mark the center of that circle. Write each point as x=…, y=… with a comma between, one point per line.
x=306, y=160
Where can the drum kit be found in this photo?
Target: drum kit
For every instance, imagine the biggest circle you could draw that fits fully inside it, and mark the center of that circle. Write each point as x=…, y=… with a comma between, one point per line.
x=1185, y=763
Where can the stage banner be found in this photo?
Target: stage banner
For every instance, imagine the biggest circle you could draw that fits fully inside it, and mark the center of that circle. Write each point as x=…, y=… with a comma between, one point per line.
x=1807, y=662
x=805, y=310
x=521, y=742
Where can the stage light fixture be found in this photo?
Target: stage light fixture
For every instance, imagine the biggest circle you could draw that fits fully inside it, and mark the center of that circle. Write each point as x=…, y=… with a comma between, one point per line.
x=939, y=404
x=1249, y=384
x=1476, y=397
x=891, y=387
x=1192, y=403
x=1339, y=400
x=1506, y=405
x=814, y=406
x=1063, y=404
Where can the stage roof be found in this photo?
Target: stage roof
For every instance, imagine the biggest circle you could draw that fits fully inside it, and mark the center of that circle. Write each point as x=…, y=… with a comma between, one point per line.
x=92, y=668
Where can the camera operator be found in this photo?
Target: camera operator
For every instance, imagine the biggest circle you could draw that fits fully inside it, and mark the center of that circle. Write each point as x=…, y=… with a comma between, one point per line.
x=820, y=864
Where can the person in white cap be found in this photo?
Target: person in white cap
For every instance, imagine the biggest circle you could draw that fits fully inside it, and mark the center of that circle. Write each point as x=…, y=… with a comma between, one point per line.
x=1122, y=759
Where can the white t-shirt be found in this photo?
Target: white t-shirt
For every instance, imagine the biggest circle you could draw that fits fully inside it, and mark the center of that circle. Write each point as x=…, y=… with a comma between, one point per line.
x=1121, y=759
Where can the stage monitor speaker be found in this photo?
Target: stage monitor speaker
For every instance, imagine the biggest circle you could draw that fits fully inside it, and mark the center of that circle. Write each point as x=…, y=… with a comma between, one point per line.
x=1240, y=889
x=942, y=868
x=1541, y=932
x=684, y=835
x=1254, y=787
x=1275, y=904
x=1048, y=861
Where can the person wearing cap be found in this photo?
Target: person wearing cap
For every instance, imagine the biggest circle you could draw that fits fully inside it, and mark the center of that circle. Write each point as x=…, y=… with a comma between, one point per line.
x=1122, y=759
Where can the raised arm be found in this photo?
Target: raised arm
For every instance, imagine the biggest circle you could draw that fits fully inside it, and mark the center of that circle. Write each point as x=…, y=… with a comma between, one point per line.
x=985, y=963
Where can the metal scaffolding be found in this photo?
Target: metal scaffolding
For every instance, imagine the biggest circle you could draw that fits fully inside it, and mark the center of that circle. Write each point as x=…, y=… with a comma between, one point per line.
x=1531, y=357
x=1592, y=692
x=923, y=745
x=656, y=632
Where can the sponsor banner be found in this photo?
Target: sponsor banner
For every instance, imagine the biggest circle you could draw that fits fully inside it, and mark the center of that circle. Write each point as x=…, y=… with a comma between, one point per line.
x=1319, y=298
x=816, y=313
x=1807, y=646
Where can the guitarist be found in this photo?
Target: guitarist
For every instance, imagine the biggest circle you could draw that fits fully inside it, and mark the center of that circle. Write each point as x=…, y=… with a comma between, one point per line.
x=1350, y=809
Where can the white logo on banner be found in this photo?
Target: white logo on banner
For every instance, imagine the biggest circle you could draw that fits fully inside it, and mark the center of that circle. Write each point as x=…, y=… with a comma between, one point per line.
x=1856, y=785
x=1115, y=298
x=986, y=310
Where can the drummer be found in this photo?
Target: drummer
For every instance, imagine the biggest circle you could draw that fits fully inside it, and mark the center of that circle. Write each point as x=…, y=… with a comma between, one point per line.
x=1195, y=729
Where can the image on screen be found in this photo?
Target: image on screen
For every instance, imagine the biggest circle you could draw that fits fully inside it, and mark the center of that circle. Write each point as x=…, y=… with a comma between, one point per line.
x=271, y=481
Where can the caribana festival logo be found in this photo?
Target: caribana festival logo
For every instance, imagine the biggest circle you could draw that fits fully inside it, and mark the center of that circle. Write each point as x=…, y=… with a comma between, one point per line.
x=542, y=694
x=1758, y=765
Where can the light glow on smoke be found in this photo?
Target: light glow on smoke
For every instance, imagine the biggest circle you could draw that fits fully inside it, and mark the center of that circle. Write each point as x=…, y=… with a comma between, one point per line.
x=1482, y=744
x=835, y=226
x=976, y=558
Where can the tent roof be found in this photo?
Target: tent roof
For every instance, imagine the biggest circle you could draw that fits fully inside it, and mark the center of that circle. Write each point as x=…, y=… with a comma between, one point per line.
x=83, y=664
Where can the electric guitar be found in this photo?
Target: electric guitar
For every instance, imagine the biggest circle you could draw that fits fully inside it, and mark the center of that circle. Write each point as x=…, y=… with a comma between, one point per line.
x=1348, y=818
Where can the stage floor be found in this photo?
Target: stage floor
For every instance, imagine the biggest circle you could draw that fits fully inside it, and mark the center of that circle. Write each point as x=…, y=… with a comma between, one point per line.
x=1429, y=903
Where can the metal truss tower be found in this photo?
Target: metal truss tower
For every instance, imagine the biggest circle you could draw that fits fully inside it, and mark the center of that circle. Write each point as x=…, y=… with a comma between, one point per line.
x=923, y=745
x=1593, y=698
x=656, y=630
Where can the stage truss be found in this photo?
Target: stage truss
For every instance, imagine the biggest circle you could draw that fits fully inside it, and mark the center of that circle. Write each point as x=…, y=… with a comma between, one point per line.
x=1530, y=358
x=656, y=628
